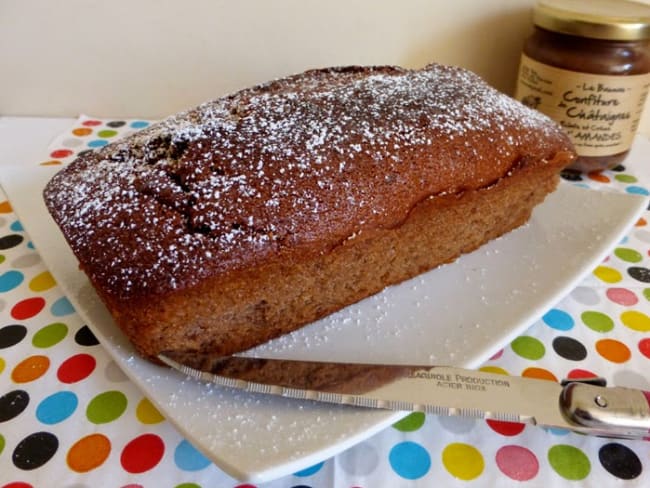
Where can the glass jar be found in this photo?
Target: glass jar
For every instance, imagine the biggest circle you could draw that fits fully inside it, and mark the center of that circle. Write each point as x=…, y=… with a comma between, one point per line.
x=587, y=66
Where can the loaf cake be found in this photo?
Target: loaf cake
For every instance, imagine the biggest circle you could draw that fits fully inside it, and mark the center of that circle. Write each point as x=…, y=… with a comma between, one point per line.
x=249, y=216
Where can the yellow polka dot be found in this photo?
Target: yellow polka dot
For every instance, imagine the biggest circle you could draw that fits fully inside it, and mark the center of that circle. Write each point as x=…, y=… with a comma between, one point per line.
x=607, y=274
x=463, y=461
x=147, y=413
x=2, y=365
x=42, y=282
x=636, y=320
x=494, y=369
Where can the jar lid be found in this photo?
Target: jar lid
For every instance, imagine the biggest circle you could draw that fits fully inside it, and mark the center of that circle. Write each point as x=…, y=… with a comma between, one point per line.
x=621, y=20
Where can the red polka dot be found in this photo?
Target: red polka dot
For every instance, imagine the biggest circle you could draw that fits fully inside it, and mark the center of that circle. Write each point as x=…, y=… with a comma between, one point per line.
x=644, y=347
x=622, y=296
x=506, y=428
x=17, y=484
x=28, y=308
x=497, y=355
x=91, y=123
x=60, y=153
x=517, y=463
x=245, y=486
x=76, y=368
x=132, y=485
x=576, y=374
x=142, y=453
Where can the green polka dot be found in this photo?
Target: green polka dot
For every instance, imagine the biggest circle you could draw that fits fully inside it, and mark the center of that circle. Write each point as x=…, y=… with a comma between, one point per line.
x=50, y=335
x=106, y=407
x=569, y=462
x=107, y=133
x=188, y=485
x=411, y=422
x=2, y=258
x=528, y=347
x=646, y=294
x=626, y=178
x=628, y=255
x=2, y=443
x=597, y=321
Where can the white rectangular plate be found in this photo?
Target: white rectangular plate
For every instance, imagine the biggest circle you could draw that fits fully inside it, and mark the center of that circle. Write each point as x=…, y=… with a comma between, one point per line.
x=458, y=314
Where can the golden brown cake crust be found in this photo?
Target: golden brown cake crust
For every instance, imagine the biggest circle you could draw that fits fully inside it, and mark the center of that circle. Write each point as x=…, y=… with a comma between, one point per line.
x=226, y=225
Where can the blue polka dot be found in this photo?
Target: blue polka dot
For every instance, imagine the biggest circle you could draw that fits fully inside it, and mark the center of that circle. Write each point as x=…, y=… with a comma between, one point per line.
x=188, y=458
x=637, y=190
x=30, y=245
x=57, y=407
x=409, y=460
x=97, y=143
x=17, y=226
x=558, y=319
x=61, y=307
x=557, y=431
x=10, y=280
x=139, y=124
x=311, y=470
x=582, y=185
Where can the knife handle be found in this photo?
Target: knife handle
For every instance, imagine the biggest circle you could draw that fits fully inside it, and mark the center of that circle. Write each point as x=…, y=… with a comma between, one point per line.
x=610, y=412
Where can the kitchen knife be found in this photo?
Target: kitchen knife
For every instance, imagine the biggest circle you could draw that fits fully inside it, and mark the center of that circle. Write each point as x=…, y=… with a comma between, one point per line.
x=584, y=406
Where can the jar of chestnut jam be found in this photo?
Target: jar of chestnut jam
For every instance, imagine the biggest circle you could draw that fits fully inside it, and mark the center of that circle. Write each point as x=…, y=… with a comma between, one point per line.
x=587, y=66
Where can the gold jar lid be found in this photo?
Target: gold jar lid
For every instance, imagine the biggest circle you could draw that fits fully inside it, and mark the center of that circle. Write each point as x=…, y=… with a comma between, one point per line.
x=621, y=20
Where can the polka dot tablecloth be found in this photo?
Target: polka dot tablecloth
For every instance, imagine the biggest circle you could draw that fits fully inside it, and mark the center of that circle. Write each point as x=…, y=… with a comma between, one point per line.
x=70, y=417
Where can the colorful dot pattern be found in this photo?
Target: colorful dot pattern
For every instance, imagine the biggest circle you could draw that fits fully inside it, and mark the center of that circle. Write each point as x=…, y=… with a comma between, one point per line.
x=66, y=410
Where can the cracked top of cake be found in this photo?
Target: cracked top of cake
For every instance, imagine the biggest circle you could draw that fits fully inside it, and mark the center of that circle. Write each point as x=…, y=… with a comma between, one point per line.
x=295, y=166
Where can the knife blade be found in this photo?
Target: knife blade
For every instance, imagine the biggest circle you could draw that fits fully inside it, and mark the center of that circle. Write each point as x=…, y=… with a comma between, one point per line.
x=583, y=406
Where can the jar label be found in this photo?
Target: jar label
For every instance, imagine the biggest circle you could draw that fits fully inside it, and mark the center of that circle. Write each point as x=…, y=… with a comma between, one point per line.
x=600, y=113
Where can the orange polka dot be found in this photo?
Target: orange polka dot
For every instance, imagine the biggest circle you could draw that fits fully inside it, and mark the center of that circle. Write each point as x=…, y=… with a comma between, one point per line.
x=88, y=453
x=641, y=222
x=598, y=176
x=539, y=373
x=30, y=369
x=613, y=350
x=82, y=131
x=51, y=162
x=5, y=207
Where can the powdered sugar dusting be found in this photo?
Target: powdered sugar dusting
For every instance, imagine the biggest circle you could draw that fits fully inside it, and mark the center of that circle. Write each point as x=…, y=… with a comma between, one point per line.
x=295, y=165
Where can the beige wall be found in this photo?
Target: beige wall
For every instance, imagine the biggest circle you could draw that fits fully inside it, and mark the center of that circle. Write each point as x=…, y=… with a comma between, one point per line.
x=149, y=58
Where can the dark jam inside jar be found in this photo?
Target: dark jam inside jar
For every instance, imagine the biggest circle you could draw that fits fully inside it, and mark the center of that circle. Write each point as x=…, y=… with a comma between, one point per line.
x=594, y=56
